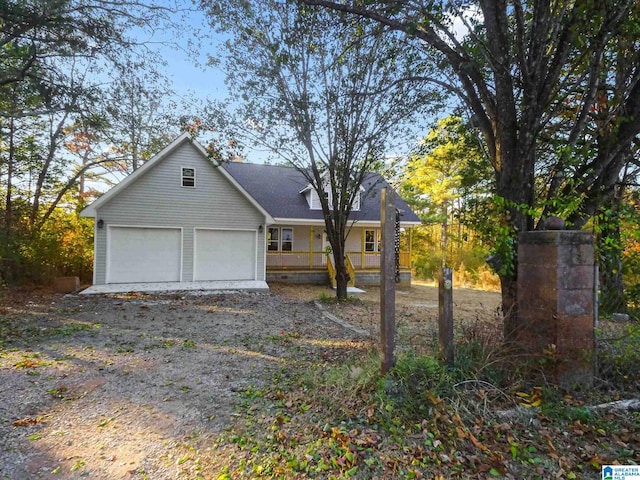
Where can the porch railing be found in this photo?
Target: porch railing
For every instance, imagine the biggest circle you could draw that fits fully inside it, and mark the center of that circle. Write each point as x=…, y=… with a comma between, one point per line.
x=332, y=273
x=318, y=260
x=300, y=259
x=371, y=260
x=352, y=272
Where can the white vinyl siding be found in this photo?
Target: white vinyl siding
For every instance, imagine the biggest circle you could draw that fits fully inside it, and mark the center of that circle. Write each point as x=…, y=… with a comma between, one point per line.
x=356, y=203
x=314, y=200
x=354, y=240
x=158, y=198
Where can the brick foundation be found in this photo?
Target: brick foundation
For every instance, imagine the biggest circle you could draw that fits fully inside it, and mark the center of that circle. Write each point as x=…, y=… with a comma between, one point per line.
x=363, y=278
x=305, y=278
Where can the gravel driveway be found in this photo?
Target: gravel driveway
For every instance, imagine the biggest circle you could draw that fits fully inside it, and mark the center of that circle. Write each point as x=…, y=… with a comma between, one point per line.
x=130, y=386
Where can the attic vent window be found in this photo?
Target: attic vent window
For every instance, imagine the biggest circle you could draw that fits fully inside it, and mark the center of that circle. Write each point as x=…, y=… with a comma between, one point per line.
x=188, y=177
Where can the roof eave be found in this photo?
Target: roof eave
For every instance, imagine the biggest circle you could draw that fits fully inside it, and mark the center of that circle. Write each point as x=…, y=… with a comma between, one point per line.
x=90, y=210
x=319, y=221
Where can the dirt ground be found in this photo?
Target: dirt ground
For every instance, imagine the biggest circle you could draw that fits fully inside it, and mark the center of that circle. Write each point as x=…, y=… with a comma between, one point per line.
x=134, y=386
x=416, y=311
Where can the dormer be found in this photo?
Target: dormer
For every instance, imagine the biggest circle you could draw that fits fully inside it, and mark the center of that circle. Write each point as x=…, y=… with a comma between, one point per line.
x=313, y=200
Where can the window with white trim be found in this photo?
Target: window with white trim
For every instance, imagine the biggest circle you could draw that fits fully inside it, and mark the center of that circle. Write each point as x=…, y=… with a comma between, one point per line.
x=188, y=177
x=314, y=200
x=372, y=240
x=280, y=239
x=287, y=240
x=273, y=238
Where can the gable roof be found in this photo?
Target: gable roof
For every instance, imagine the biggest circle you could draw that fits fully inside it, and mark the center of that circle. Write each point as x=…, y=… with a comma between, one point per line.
x=90, y=210
x=280, y=191
x=276, y=191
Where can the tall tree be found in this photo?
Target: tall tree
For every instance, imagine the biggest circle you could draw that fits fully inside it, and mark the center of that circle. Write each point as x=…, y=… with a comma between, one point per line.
x=55, y=57
x=448, y=166
x=612, y=217
x=321, y=93
x=139, y=109
x=520, y=66
x=41, y=40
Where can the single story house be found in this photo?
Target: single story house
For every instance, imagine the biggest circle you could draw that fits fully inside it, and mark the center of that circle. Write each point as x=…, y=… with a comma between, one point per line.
x=180, y=218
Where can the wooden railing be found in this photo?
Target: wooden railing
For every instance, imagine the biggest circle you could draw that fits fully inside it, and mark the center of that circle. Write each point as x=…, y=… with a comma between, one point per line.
x=351, y=271
x=304, y=260
x=300, y=259
x=371, y=260
x=332, y=272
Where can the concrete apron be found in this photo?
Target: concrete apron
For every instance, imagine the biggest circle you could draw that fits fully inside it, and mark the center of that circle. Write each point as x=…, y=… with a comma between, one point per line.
x=353, y=290
x=167, y=287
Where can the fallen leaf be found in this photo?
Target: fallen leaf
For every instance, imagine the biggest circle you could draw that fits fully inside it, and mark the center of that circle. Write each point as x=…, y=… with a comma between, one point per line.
x=25, y=421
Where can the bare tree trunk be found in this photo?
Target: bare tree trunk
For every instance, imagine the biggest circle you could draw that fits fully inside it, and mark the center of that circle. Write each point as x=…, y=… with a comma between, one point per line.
x=8, y=211
x=85, y=161
x=54, y=136
x=334, y=232
x=342, y=277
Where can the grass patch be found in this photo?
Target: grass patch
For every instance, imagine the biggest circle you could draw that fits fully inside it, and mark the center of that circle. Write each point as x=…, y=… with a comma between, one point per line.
x=26, y=327
x=71, y=329
x=344, y=419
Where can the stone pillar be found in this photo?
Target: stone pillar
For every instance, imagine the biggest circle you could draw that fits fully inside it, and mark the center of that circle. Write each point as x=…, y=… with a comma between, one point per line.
x=556, y=302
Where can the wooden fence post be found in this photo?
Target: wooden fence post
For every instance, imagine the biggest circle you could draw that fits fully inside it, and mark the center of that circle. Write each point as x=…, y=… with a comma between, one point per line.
x=387, y=281
x=445, y=318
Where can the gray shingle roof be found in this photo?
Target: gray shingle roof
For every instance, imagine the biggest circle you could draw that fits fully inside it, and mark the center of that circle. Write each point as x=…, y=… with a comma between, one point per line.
x=277, y=190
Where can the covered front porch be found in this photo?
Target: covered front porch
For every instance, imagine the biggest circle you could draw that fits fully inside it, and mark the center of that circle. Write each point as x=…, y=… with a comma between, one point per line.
x=291, y=259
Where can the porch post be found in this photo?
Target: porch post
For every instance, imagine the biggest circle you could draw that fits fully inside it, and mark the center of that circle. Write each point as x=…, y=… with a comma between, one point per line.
x=362, y=235
x=311, y=233
x=410, y=239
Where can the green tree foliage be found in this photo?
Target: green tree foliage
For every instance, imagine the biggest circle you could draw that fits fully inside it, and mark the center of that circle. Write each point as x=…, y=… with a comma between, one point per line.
x=530, y=72
x=55, y=119
x=449, y=165
x=616, y=227
x=445, y=181
x=320, y=92
x=140, y=112
x=630, y=241
x=62, y=247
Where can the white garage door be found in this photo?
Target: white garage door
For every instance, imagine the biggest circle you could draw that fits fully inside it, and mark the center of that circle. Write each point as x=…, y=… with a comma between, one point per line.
x=225, y=255
x=144, y=254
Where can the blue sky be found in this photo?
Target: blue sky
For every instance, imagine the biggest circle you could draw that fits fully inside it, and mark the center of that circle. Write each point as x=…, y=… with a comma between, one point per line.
x=190, y=73
x=186, y=65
